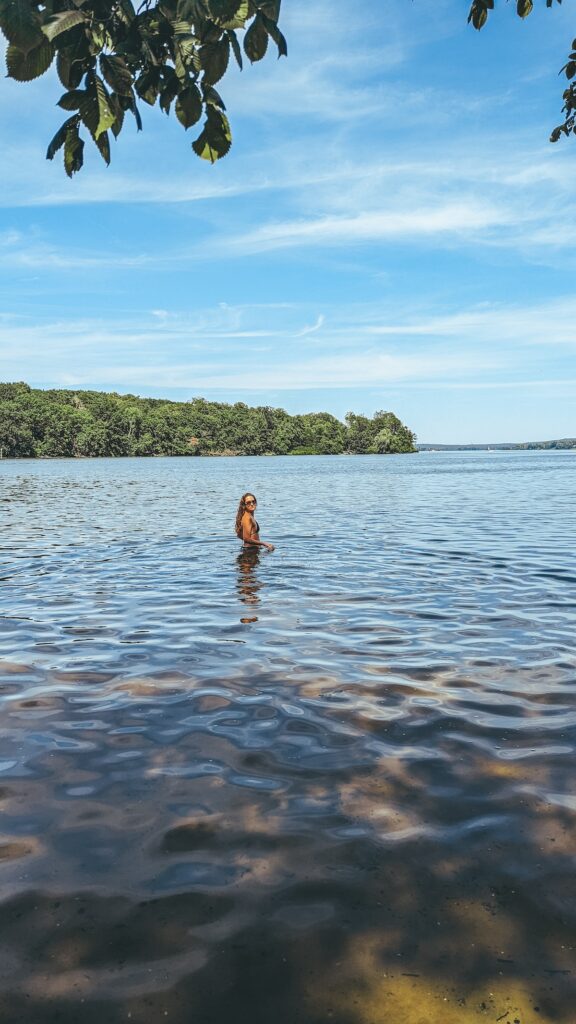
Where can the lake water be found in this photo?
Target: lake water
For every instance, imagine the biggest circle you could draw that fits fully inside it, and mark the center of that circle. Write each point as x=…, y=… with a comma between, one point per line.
x=330, y=784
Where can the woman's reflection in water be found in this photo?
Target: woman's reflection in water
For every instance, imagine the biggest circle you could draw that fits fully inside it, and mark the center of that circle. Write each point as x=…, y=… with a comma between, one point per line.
x=248, y=583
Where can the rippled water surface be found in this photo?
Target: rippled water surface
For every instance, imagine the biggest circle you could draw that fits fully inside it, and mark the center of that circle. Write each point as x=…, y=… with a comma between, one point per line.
x=332, y=783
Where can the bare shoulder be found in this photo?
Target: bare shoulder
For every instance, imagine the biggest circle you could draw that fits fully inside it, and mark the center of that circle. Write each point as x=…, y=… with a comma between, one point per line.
x=248, y=524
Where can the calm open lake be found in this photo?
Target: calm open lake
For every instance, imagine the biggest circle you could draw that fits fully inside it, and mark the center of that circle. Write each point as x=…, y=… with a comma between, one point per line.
x=330, y=784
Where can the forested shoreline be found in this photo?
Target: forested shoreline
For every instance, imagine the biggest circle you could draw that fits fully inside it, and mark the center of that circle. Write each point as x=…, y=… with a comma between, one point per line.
x=58, y=423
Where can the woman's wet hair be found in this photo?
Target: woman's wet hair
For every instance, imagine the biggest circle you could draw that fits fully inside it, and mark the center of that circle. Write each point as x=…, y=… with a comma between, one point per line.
x=242, y=510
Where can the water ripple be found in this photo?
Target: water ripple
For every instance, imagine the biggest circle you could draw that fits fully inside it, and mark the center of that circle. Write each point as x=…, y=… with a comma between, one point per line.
x=330, y=784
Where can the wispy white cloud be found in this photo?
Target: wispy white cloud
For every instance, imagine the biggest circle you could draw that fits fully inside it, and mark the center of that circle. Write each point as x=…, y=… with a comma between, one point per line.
x=523, y=325
x=360, y=369
x=357, y=345
x=331, y=205
x=373, y=226
x=311, y=328
x=31, y=251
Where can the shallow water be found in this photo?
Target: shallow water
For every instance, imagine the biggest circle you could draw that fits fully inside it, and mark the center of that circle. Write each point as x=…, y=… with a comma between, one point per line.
x=334, y=783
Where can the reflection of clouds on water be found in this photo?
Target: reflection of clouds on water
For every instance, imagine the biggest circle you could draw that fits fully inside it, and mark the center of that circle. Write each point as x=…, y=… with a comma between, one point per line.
x=248, y=583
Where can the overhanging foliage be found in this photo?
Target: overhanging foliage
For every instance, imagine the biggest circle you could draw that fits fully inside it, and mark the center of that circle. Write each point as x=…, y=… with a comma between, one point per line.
x=478, y=16
x=109, y=55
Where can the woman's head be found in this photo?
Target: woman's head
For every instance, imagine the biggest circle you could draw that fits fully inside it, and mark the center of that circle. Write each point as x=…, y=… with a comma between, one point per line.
x=247, y=504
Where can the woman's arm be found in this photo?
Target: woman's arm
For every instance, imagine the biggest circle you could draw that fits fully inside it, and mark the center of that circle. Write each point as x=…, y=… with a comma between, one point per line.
x=249, y=534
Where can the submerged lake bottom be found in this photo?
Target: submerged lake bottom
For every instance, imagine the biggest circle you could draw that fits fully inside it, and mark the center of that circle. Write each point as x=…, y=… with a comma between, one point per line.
x=333, y=783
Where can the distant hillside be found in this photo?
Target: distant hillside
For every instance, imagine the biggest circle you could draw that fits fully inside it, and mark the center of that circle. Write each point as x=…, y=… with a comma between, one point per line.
x=77, y=424
x=564, y=442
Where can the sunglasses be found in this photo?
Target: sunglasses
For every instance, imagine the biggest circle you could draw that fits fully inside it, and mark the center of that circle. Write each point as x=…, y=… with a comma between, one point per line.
x=250, y=502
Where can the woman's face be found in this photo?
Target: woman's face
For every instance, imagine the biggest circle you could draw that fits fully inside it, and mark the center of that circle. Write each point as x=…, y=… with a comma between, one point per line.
x=250, y=503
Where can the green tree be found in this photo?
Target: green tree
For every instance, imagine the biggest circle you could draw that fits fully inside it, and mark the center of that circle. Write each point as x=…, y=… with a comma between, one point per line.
x=92, y=440
x=63, y=425
x=326, y=434
x=88, y=423
x=109, y=55
x=16, y=438
x=360, y=433
x=14, y=391
x=391, y=436
x=288, y=433
x=145, y=445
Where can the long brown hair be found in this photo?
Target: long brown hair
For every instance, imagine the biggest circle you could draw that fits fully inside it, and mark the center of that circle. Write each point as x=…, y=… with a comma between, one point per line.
x=241, y=510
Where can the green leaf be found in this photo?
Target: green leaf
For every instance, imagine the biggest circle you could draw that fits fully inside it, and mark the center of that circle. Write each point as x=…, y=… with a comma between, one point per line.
x=116, y=73
x=169, y=90
x=70, y=71
x=239, y=18
x=185, y=56
x=97, y=38
x=193, y=12
x=223, y=10
x=235, y=48
x=62, y=22
x=478, y=14
x=189, y=106
x=73, y=152
x=125, y=11
x=524, y=7
x=275, y=33
x=215, y=139
x=95, y=109
x=23, y=67
x=60, y=137
x=212, y=97
x=271, y=8
x=242, y=16
x=72, y=100
x=147, y=85
x=256, y=40
x=118, y=111
x=131, y=105
x=215, y=58
x=103, y=143
x=20, y=24
x=167, y=97
x=181, y=28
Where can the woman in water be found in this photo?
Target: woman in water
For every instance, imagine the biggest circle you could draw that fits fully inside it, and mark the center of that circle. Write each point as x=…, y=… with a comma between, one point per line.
x=247, y=528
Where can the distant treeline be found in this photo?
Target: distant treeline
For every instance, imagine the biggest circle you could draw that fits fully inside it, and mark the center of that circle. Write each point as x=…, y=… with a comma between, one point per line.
x=58, y=423
x=563, y=442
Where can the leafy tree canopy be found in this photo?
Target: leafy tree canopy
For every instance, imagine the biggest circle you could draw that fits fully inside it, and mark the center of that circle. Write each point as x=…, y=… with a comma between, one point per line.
x=51, y=424
x=109, y=55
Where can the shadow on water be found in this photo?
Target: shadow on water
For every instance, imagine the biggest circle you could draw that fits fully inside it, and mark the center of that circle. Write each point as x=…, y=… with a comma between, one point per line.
x=350, y=865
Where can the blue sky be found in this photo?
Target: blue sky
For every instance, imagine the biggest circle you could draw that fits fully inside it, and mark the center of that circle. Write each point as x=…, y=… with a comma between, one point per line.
x=391, y=230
